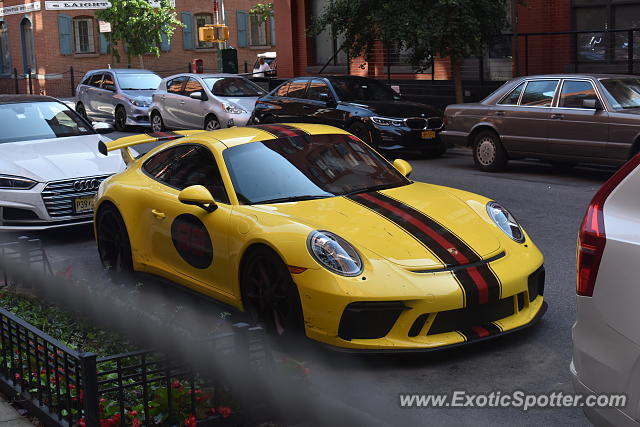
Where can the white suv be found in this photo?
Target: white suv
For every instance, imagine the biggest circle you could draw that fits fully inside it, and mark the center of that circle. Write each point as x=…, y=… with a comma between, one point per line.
x=606, y=335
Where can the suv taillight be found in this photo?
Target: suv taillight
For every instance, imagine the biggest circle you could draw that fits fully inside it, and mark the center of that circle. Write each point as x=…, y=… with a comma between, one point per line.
x=592, y=237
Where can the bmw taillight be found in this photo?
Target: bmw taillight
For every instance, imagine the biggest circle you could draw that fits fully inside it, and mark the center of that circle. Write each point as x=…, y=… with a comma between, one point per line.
x=592, y=237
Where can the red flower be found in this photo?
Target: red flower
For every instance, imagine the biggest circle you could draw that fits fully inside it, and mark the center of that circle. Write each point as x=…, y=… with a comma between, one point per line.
x=72, y=386
x=18, y=376
x=133, y=413
x=225, y=411
x=81, y=422
x=212, y=410
x=40, y=348
x=176, y=384
x=191, y=421
x=136, y=422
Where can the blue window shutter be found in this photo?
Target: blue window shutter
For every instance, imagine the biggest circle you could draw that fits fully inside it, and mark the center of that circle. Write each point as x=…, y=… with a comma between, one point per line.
x=272, y=20
x=187, y=31
x=104, y=43
x=165, y=45
x=243, y=23
x=65, y=34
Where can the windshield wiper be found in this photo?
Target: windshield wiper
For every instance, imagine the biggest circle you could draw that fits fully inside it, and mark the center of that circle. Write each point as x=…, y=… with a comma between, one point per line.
x=374, y=188
x=292, y=199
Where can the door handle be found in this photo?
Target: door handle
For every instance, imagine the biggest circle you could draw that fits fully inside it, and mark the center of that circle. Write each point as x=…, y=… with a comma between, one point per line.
x=181, y=102
x=556, y=116
x=158, y=214
x=163, y=97
x=500, y=113
x=306, y=107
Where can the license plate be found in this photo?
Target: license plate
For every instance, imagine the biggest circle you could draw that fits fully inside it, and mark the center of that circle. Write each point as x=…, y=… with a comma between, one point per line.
x=84, y=204
x=428, y=134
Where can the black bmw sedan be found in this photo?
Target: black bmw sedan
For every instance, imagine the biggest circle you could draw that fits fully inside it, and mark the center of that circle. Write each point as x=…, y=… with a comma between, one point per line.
x=365, y=107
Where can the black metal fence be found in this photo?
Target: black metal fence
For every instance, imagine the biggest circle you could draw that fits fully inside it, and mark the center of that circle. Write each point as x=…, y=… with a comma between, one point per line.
x=65, y=387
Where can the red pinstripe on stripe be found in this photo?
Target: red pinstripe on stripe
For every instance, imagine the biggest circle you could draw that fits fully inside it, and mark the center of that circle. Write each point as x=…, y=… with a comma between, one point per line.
x=481, y=284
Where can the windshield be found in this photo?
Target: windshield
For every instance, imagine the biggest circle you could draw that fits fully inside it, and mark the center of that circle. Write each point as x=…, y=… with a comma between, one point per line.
x=623, y=93
x=39, y=120
x=233, y=86
x=362, y=89
x=138, y=81
x=308, y=167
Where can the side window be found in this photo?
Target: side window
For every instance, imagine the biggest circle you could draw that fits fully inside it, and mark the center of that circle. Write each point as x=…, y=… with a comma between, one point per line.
x=108, y=83
x=575, y=92
x=539, y=93
x=175, y=85
x=319, y=91
x=282, y=90
x=297, y=88
x=514, y=96
x=95, y=80
x=185, y=165
x=86, y=80
x=192, y=86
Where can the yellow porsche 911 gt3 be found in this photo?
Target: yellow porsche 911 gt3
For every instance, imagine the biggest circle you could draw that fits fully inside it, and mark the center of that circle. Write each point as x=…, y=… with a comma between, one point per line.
x=311, y=231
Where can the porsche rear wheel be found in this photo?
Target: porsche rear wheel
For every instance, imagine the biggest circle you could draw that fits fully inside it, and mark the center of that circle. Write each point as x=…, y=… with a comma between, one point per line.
x=113, y=242
x=270, y=296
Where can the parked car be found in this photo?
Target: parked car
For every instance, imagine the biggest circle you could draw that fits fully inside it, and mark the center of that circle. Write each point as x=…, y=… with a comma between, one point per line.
x=121, y=95
x=606, y=338
x=564, y=118
x=203, y=101
x=50, y=169
x=312, y=232
x=367, y=108
x=270, y=58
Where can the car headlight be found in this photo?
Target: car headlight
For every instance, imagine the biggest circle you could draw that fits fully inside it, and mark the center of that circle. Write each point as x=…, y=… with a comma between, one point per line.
x=232, y=109
x=385, y=121
x=334, y=253
x=505, y=221
x=139, y=102
x=8, y=182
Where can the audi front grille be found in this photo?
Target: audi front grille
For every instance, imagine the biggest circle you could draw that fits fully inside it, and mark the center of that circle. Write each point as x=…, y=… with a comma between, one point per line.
x=59, y=196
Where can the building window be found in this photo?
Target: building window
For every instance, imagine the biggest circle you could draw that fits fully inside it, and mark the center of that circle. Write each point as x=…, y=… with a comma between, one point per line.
x=326, y=44
x=28, y=46
x=83, y=35
x=5, y=53
x=606, y=15
x=260, y=35
x=203, y=19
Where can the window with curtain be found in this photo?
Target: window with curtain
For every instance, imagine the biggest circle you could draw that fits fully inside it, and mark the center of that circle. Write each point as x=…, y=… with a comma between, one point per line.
x=203, y=19
x=5, y=53
x=83, y=35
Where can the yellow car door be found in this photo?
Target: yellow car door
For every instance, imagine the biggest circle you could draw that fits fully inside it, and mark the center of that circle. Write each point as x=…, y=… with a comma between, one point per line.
x=187, y=242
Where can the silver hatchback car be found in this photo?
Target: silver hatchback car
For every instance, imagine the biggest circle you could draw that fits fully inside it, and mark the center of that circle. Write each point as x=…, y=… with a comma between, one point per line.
x=121, y=95
x=203, y=101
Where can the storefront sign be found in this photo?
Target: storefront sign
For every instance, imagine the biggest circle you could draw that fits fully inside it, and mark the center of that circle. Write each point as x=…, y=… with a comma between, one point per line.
x=76, y=5
x=89, y=5
x=20, y=8
x=105, y=27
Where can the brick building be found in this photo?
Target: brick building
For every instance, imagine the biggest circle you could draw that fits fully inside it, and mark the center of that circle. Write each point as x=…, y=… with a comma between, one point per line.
x=521, y=50
x=48, y=37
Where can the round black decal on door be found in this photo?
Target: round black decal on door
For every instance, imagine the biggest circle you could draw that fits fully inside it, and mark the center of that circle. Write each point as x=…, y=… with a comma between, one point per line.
x=192, y=241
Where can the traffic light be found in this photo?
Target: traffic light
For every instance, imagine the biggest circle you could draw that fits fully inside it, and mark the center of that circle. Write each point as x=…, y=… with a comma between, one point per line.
x=215, y=33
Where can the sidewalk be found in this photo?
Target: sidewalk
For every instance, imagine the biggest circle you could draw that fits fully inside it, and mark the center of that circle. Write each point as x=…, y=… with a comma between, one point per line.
x=10, y=417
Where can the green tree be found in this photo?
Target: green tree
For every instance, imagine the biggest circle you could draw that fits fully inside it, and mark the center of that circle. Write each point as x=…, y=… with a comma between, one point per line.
x=425, y=28
x=138, y=26
x=263, y=10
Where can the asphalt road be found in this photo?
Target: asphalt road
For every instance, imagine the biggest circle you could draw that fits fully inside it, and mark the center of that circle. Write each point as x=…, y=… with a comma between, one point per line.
x=550, y=204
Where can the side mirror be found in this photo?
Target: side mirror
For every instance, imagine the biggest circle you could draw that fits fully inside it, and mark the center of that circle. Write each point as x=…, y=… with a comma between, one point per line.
x=327, y=98
x=198, y=95
x=198, y=195
x=592, y=104
x=102, y=127
x=403, y=166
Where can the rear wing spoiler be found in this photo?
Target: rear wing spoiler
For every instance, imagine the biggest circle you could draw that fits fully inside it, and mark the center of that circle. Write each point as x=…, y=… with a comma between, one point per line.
x=128, y=141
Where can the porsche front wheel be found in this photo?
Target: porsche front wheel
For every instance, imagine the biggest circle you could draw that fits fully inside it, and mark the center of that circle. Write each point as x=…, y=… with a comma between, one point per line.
x=113, y=242
x=270, y=296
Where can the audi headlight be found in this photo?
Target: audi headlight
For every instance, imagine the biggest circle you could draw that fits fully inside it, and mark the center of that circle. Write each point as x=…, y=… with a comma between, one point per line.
x=505, y=221
x=232, y=109
x=334, y=253
x=385, y=121
x=8, y=182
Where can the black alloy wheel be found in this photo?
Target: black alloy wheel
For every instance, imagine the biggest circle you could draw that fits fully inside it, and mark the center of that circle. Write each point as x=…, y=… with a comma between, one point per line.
x=270, y=296
x=113, y=243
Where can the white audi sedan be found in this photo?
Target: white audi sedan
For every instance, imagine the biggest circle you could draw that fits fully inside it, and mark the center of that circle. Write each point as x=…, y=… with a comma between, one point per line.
x=606, y=336
x=50, y=167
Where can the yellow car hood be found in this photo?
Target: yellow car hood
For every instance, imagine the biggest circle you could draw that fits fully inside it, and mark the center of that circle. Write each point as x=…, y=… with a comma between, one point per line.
x=364, y=227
